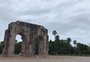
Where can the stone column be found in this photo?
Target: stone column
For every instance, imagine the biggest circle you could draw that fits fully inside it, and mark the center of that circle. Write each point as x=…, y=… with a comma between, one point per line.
x=11, y=45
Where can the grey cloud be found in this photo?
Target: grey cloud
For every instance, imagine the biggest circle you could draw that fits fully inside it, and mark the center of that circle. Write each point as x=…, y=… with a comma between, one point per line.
x=69, y=17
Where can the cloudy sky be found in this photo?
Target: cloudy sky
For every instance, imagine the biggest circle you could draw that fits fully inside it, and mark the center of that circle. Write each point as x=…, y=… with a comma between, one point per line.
x=70, y=18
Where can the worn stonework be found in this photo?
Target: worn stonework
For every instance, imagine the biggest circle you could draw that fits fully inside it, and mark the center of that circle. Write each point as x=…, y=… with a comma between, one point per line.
x=29, y=32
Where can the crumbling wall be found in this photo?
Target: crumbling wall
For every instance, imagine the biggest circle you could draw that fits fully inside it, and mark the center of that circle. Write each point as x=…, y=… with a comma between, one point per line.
x=29, y=33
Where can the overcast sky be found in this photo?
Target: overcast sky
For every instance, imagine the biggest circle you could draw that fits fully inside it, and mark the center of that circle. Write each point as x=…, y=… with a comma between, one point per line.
x=70, y=18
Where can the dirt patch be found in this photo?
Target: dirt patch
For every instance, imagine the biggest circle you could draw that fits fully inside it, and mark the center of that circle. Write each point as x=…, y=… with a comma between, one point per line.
x=46, y=59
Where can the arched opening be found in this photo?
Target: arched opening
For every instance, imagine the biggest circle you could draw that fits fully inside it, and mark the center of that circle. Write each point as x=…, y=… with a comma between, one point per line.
x=18, y=44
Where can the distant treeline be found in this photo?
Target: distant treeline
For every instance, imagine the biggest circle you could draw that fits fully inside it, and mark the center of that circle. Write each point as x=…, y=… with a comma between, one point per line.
x=58, y=47
x=64, y=47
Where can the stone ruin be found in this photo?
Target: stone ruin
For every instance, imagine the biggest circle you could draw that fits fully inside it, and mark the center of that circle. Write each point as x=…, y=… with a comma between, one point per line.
x=30, y=33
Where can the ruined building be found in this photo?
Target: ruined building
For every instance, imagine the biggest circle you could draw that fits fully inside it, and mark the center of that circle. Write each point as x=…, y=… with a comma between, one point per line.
x=30, y=33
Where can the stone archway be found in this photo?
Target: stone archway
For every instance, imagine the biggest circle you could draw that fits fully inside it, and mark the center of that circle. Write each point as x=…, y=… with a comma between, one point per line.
x=29, y=33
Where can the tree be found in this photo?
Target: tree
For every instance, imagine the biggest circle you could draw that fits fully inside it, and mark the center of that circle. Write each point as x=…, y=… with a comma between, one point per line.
x=17, y=49
x=82, y=48
x=54, y=32
x=68, y=40
x=75, y=42
x=69, y=47
x=75, y=49
x=1, y=46
x=57, y=37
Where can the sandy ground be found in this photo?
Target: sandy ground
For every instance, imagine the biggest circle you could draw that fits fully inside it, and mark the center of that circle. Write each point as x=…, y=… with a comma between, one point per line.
x=46, y=59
